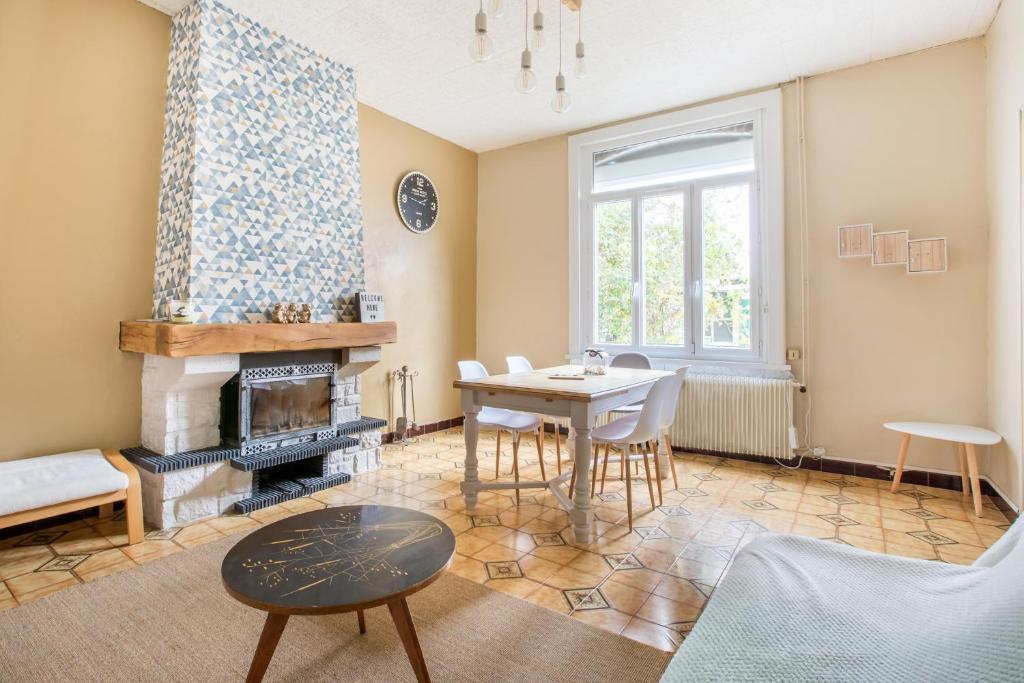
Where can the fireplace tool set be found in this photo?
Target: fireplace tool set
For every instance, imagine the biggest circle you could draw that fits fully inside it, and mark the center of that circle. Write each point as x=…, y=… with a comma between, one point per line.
x=403, y=425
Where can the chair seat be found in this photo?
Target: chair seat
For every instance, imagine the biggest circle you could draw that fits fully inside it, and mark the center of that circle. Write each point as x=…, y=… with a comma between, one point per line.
x=512, y=420
x=38, y=482
x=615, y=431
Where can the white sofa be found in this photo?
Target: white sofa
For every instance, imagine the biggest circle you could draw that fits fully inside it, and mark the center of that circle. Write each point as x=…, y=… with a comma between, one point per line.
x=36, y=488
x=799, y=609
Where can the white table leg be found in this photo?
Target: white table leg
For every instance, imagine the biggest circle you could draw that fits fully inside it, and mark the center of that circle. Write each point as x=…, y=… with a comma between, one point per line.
x=471, y=477
x=581, y=514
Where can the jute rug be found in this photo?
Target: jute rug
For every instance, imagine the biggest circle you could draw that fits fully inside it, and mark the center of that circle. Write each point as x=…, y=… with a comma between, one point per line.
x=172, y=621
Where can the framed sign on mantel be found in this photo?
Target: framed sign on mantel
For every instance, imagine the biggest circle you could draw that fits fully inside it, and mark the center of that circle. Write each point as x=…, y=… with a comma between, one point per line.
x=371, y=307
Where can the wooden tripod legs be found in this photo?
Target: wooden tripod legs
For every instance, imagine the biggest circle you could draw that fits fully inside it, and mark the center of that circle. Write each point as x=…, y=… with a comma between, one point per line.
x=275, y=623
x=272, y=630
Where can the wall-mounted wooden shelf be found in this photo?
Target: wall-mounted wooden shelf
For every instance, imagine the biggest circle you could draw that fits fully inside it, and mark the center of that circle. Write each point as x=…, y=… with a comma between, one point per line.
x=180, y=341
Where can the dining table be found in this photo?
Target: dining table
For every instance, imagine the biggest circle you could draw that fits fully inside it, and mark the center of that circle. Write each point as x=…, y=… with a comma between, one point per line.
x=563, y=391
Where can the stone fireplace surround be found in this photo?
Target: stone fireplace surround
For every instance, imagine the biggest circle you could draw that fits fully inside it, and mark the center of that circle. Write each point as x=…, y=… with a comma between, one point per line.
x=189, y=473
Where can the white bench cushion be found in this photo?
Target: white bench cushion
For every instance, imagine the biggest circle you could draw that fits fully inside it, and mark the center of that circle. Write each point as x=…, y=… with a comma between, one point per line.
x=37, y=482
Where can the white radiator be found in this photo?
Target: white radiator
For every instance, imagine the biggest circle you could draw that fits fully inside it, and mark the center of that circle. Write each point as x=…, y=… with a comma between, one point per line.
x=729, y=413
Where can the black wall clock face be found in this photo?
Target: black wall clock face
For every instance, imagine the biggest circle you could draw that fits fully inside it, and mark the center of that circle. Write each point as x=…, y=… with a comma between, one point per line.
x=417, y=202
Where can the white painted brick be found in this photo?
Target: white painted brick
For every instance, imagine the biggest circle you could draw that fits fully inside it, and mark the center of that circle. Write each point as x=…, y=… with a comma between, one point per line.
x=369, y=439
x=189, y=509
x=348, y=413
x=184, y=482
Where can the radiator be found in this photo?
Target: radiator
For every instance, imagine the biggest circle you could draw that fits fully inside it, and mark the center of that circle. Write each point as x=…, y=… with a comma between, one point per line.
x=729, y=413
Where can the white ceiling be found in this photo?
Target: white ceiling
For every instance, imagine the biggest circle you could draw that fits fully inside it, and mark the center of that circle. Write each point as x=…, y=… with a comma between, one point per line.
x=411, y=58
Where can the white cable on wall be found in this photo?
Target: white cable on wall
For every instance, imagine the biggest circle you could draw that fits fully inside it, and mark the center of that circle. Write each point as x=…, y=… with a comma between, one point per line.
x=805, y=309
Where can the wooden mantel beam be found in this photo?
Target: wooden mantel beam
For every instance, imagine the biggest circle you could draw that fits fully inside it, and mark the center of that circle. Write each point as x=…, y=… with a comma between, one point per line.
x=179, y=341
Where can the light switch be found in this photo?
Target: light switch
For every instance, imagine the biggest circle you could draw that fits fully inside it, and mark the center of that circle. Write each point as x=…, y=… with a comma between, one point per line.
x=792, y=354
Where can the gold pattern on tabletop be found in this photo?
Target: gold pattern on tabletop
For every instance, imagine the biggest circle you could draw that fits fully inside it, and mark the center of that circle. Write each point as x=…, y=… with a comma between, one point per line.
x=346, y=549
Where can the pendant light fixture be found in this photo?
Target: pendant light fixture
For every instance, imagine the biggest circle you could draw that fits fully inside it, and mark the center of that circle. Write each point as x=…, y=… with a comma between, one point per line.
x=538, y=28
x=580, y=68
x=498, y=8
x=525, y=81
x=561, y=102
x=481, y=48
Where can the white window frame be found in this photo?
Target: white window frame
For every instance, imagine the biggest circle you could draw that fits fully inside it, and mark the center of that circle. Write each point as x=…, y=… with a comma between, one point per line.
x=767, y=226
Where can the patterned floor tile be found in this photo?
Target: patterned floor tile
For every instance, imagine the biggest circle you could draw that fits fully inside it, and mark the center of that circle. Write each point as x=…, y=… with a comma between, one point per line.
x=649, y=585
x=504, y=570
x=63, y=563
x=585, y=598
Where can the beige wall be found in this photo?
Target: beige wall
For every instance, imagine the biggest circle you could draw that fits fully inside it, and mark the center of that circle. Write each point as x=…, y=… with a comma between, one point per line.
x=522, y=254
x=80, y=139
x=1005, y=150
x=79, y=180
x=899, y=143
x=428, y=281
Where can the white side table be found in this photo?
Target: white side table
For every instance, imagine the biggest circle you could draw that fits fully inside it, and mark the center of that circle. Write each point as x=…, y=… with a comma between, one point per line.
x=965, y=435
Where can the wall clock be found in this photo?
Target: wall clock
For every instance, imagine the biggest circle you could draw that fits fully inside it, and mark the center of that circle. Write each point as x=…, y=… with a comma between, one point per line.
x=417, y=202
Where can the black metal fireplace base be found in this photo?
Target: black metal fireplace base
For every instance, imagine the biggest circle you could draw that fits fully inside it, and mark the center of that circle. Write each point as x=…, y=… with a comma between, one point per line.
x=287, y=489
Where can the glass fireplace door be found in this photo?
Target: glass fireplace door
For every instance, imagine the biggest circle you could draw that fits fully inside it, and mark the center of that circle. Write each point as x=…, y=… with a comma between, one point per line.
x=282, y=406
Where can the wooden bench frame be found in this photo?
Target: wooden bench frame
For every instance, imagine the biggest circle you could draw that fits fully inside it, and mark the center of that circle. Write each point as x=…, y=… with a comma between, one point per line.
x=132, y=497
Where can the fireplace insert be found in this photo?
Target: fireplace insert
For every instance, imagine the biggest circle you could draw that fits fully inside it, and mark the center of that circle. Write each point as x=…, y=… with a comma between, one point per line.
x=267, y=407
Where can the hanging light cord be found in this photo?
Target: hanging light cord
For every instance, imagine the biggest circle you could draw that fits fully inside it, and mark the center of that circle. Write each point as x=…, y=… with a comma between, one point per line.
x=559, y=37
x=526, y=24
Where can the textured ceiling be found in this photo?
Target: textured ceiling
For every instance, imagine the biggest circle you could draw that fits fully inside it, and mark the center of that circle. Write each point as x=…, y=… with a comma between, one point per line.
x=411, y=57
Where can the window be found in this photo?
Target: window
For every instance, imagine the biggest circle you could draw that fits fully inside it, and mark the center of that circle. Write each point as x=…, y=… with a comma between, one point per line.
x=673, y=220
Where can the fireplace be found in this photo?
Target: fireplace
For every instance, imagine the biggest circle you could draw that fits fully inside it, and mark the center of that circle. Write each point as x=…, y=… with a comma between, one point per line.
x=240, y=432
x=275, y=401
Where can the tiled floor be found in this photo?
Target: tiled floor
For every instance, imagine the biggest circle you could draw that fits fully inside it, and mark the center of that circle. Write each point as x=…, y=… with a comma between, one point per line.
x=650, y=584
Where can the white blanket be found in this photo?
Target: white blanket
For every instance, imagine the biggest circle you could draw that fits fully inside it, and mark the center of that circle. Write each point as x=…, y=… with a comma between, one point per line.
x=798, y=609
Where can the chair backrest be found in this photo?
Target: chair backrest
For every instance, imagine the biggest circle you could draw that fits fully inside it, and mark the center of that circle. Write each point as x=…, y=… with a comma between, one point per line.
x=630, y=359
x=668, y=412
x=471, y=369
x=648, y=425
x=519, y=364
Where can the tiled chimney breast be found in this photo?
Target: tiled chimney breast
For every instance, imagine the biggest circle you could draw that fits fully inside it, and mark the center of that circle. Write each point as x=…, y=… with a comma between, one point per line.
x=260, y=196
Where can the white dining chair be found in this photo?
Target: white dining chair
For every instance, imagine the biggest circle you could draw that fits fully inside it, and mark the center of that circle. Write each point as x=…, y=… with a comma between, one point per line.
x=523, y=364
x=499, y=419
x=638, y=432
x=635, y=361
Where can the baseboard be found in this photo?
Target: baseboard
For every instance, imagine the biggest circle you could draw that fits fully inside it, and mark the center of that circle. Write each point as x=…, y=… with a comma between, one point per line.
x=421, y=430
x=918, y=477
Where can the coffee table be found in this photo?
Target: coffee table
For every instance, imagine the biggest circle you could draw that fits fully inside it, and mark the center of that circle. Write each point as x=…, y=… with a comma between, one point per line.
x=967, y=436
x=342, y=559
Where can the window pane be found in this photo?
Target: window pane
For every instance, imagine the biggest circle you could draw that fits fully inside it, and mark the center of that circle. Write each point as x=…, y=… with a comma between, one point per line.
x=664, y=269
x=702, y=154
x=726, y=233
x=614, y=222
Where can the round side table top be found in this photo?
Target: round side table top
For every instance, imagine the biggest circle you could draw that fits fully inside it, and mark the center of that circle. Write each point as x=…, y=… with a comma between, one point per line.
x=337, y=559
x=946, y=432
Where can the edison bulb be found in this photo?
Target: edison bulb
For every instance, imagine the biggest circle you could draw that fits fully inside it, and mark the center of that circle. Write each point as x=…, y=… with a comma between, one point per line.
x=525, y=81
x=561, y=100
x=481, y=48
x=580, y=67
x=537, y=40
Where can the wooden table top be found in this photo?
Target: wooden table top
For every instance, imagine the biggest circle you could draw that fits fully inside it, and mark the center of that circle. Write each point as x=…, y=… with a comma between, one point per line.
x=540, y=383
x=338, y=559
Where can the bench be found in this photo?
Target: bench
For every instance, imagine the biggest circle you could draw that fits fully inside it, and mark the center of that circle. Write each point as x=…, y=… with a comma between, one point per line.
x=36, y=488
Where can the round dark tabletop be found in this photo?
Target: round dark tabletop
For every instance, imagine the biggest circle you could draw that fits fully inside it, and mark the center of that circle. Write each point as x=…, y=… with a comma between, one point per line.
x=338, y=559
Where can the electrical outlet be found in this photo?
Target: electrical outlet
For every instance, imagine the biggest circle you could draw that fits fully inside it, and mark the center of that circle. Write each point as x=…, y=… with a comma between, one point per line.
x=792, y=354
x=818, y=452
